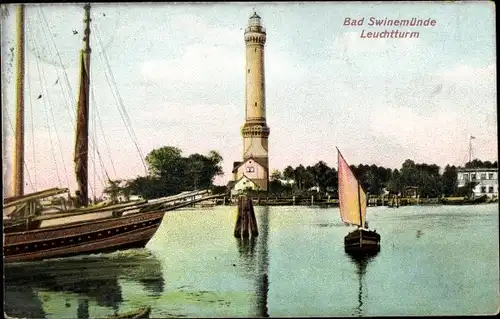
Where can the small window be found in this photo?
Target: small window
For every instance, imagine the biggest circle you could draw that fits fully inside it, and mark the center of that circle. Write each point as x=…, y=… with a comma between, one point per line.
x=248, y=70
x=255, y=50
x=490, y=175
x=490, y=190
x=255, y=103
x=466, y=176
x=483, y=189
x=483, y=175
x=250, y=169
x=473, y=176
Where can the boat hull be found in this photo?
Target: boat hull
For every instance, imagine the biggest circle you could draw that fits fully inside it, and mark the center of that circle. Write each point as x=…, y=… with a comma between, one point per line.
x=89, y=237
x=362, y=241
x=141, y=313
x=478, y=200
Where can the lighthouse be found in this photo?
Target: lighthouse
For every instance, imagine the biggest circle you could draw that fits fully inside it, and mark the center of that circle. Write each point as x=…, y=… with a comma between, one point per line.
x=253, y=171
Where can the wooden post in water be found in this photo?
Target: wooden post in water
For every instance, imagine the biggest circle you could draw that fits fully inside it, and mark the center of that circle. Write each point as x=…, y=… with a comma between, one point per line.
x=246, y=223
x=293, y=200
x=312, y=200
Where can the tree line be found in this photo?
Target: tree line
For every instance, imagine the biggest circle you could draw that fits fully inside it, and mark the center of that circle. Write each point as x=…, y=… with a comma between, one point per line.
x=169, y=173
x=374, y=179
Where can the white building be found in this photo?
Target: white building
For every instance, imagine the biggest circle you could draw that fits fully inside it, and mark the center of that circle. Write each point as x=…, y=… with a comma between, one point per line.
x=487, y=179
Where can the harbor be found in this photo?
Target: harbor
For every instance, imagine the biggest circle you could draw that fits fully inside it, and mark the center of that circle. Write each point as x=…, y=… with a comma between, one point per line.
x=185, y=161
x=296, y=266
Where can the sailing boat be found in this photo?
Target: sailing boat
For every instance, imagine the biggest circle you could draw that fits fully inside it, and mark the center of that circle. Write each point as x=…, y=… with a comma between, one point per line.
x=31, y=232
x=352, y=203
x=84, y=229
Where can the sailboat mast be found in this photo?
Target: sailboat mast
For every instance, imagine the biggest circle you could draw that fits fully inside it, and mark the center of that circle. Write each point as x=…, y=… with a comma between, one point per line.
x=19, y=129
x=82, y=114
x=359, y=207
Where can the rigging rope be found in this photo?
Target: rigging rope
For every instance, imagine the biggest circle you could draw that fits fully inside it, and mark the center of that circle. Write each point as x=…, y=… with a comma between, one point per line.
x=45, y=110
x=47, y=102
x=94, y=145
x=24, y=162
x=104, y=138
x=72, y=101
x=32, y=128
x=120, y=105
x=103, y=168
x=68, y=95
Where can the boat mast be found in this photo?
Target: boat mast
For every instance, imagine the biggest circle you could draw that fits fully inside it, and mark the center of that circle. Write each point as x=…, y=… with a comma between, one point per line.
x=82, y=114
x=19, y=129
x=359, y=206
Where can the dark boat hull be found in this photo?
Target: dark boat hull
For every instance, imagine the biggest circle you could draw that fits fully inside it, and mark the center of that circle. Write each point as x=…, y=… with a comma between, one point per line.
x=106, y=235
x=141, y=313
x=15, y=228
x=477, y=200
x=362, y=241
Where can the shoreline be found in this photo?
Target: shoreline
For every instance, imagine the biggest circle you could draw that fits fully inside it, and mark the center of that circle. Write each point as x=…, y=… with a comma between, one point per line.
x=372, y=202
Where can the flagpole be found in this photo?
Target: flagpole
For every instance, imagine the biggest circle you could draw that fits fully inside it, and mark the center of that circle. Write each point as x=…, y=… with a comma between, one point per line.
x=470, y=148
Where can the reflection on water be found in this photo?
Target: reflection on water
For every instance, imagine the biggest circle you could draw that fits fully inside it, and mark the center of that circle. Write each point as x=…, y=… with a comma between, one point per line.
x=361, y=262
x=83, y=309
x=263, y=264
x=297, y=266
x=253, y=253
x=95, y=279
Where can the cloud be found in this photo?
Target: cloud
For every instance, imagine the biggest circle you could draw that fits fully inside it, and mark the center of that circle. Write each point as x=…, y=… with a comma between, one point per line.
x=199, y=63
x=467, y=76
x=180, y=71
x=434, y=125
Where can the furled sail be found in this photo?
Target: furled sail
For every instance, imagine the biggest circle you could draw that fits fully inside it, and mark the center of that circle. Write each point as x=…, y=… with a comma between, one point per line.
x=82, y=116
x=352, y=197
x=81, y=143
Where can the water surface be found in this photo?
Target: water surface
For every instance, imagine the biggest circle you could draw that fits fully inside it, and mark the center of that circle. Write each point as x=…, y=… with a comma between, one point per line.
x=434, y=260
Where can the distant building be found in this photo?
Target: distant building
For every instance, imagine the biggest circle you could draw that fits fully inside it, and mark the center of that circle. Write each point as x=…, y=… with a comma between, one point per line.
x=255, y=132
x=487, y=179
x=239, y=186
x=410, y=191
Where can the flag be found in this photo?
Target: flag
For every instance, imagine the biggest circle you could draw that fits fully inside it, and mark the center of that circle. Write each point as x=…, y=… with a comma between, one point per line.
x=472, y=137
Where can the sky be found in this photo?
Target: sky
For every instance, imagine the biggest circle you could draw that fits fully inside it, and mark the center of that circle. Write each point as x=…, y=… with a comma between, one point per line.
x=179, y=72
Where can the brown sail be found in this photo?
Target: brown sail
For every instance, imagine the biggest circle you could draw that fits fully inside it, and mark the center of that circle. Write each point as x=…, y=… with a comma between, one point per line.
x=82, y=113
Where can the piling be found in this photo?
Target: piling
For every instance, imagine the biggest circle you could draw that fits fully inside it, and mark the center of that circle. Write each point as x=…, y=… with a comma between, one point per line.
x=246, y=223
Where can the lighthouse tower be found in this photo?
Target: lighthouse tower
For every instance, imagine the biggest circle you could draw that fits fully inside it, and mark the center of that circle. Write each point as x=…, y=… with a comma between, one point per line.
x=253, y=171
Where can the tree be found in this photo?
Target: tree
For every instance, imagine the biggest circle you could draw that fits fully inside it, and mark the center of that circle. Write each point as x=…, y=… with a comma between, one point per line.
x=171, y=173
x=394, y=184
x=409, y=174
x=163, y=160
x=113, y=189
x=467, y=189
x=309, y=178
x=276, y=175
x=299, y=174
x=322, y=175
x=289, y=173
x=449, y=180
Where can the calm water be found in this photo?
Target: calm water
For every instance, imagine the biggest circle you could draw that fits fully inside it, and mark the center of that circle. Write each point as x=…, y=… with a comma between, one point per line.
x=194, y=267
